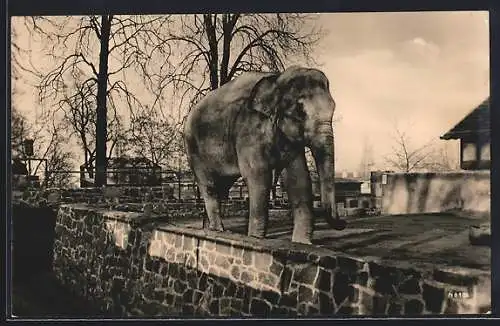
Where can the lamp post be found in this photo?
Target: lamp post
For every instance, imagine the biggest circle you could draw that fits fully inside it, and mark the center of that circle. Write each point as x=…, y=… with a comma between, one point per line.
x=28, y=150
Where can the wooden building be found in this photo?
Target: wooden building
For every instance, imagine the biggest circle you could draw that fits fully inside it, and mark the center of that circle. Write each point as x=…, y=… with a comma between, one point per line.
x=473, y=131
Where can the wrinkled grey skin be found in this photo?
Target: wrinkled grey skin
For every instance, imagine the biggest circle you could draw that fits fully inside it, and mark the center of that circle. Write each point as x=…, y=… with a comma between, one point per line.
x=257, y=123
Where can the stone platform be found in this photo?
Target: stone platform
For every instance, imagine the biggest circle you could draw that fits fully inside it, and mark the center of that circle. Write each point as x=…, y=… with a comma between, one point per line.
x=427, y=240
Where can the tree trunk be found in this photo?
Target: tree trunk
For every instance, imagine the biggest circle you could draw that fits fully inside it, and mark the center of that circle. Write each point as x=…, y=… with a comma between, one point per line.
x=102, y=125
x=227, y=26
x=213, y=65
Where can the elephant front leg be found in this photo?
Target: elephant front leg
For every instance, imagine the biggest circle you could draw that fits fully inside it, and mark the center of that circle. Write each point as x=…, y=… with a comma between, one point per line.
x=299, y=190
x=259, y=187
x=213, y=220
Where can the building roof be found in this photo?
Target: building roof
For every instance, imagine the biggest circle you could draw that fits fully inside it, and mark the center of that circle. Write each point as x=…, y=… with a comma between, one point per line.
x=476, y=122
x=130, y=162
x=347, y=180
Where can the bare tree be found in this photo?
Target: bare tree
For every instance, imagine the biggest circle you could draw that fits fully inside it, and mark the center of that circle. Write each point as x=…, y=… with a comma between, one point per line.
x=79, y=114
x=212, y=49
x=58, y=158
x=441, y=160
x=405, y=156
x=97, y=51
x=49, y=147
x=154, y=137
x=19, y=132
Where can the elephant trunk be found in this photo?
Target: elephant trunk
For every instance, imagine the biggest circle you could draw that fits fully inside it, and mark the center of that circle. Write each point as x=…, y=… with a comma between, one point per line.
x=324, y=155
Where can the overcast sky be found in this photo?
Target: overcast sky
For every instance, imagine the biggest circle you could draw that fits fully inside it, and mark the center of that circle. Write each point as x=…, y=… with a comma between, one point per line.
x=426, y=69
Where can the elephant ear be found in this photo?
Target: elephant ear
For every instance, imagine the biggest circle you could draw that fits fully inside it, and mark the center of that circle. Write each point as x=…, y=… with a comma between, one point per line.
x=264, y=97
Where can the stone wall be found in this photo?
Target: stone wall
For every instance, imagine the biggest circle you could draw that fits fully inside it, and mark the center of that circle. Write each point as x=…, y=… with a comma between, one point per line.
x=133, y=199
x=411, y=193
x=130, y=266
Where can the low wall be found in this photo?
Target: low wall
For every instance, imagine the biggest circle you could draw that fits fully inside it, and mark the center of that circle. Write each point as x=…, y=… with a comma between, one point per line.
x=413, y=193
x=132, y=199
x=128, y=266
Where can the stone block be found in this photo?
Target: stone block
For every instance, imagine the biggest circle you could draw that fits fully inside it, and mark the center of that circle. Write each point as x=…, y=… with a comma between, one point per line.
x=187, y=296
x=188, y=310
x=384, y=284
x=217, y=290
x=236, y=252
x=305, y=274
x=178, y=240
x=349, y=309
x=269, y=280
x=413, y=307
x=204, y=264
x=342, y=287
x=222, y=262
x=289, y=300
x=179, y=287
x=262, y=260
x=325, y=278
x=222, y=248
x=286, y=279
x=247, y=276
x=411, y=285
x=434, y=296
x=372, y=303
x=235, y=272
x=271, y=296
x=189, y=243
x=214, y=307
x=230, y=290
x=225, y=307
x=395, y=309
x=326, y=304
x=307, y=295
x=259, y=307
x=248, y=258
x=455, y=277
x=276, y=267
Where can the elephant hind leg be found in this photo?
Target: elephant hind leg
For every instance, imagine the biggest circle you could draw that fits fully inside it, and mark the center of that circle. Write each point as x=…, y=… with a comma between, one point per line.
x=213, y=208
x=223, y=185
x=259, y=186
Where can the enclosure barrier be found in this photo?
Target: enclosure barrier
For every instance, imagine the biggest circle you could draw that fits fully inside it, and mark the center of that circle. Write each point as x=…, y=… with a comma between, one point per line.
x=417, y=193
x=129, y=266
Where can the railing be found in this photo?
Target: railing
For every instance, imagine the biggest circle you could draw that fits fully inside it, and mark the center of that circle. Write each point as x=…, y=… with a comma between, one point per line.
x=175, y=184
x=348, y=193
x=179, y=185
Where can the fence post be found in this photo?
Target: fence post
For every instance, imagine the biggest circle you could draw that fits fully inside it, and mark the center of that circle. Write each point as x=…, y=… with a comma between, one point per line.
x=179, y=188
x=46, y=174
x=82, y=176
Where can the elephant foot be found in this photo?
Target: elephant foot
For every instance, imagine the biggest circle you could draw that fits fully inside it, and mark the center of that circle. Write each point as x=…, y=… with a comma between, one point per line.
x=303, y=241
x=216, y=228
x=213, y=227
x=257, y=236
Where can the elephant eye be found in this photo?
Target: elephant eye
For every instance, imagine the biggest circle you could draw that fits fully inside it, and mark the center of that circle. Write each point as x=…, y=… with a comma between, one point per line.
x=299, y=111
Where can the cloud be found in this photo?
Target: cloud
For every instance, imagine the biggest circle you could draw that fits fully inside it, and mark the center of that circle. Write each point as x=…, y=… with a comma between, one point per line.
x=419, y=51
x=411, y=80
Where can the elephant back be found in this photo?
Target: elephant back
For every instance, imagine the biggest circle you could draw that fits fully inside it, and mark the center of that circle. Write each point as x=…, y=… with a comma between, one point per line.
x=238, y=89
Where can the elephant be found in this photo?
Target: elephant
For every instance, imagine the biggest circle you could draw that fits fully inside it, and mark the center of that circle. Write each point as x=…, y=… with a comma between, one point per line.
x=259, y=123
